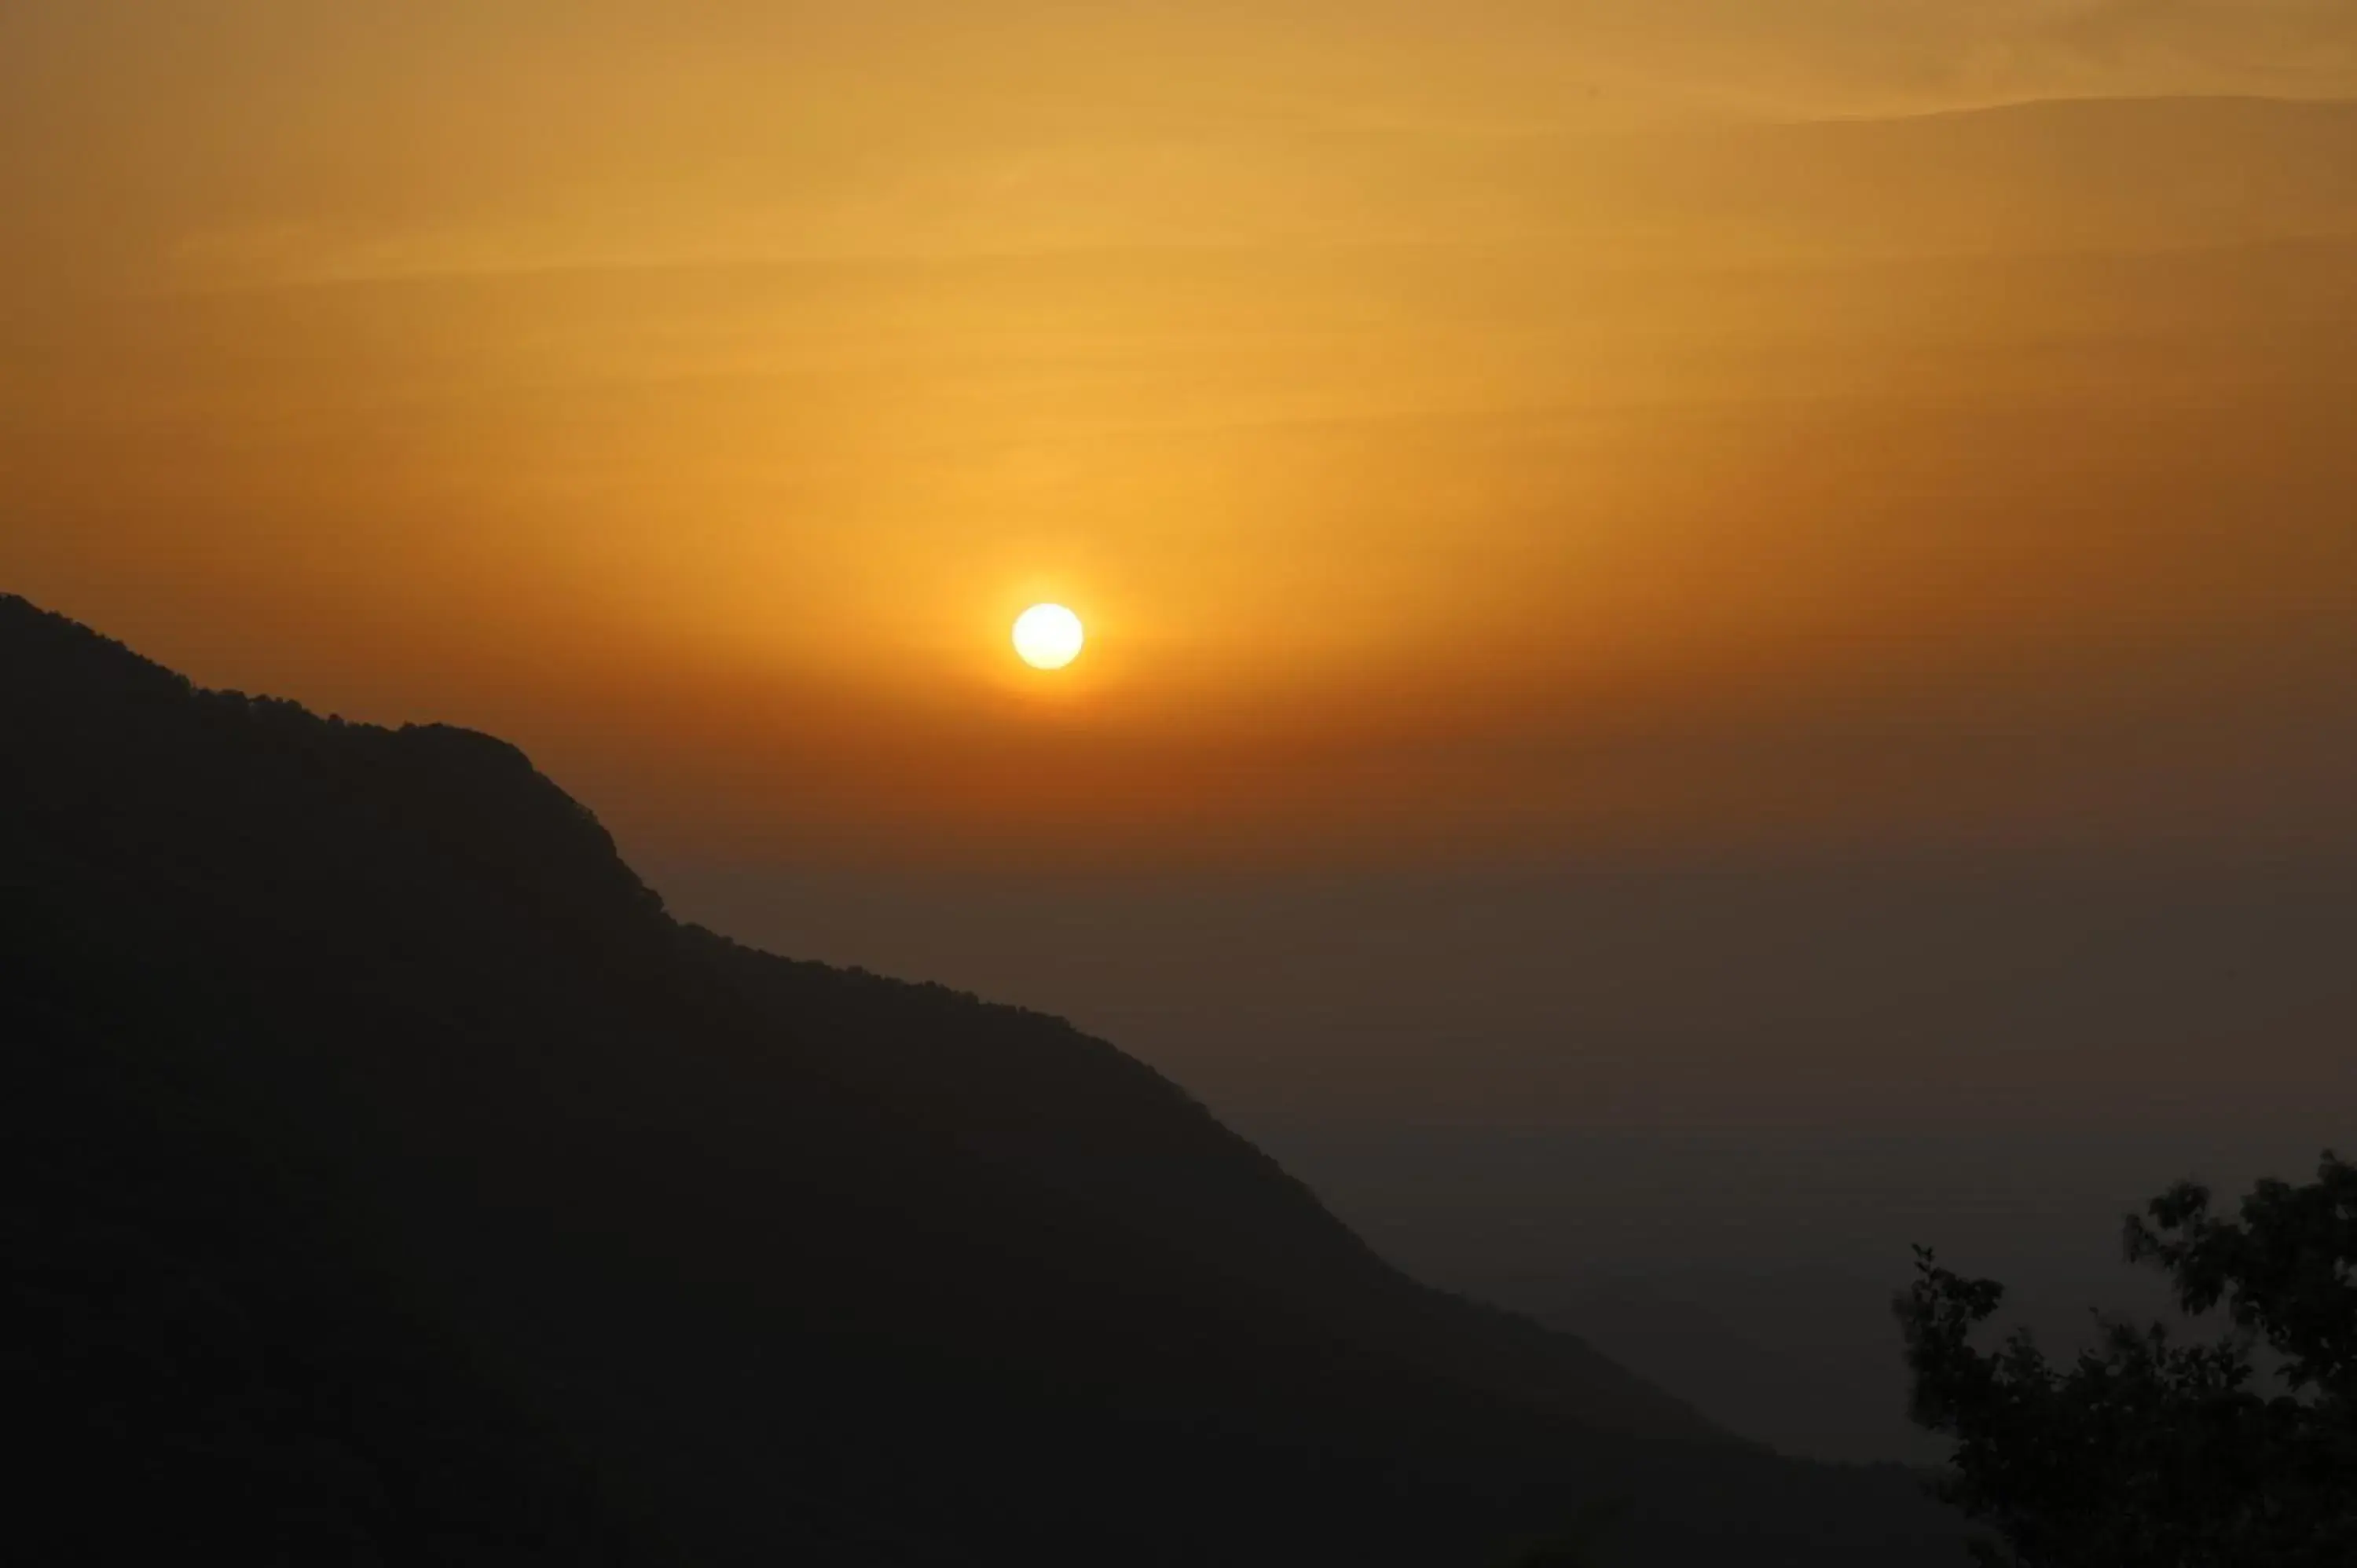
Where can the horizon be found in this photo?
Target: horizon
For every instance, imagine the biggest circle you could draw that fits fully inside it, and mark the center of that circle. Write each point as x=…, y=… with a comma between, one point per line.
x=1670, y=589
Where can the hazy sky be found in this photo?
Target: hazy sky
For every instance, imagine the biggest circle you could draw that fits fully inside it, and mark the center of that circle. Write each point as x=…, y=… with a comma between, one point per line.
x=1442, y=462
x=1652, y=563
x=1455, y=475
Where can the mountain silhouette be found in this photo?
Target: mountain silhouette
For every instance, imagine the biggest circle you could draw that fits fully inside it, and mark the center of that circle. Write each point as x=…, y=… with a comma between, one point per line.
x=391, y=1179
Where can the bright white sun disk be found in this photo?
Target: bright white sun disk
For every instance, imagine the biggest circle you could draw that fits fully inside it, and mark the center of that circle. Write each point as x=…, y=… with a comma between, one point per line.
x=1048, y=637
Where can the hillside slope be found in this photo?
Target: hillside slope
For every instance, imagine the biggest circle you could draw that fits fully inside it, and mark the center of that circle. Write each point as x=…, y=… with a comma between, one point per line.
x=393, y=1180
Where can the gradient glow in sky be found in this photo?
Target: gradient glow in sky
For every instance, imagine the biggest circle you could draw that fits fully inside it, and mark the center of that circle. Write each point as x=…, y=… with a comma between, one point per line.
x=1723, y=635
x=1464, y=428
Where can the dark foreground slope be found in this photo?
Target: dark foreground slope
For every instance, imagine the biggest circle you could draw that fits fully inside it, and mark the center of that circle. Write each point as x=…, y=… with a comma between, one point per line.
x=388, y=1179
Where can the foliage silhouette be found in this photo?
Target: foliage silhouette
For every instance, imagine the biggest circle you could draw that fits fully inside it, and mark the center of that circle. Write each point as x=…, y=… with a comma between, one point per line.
x=2151, y=1454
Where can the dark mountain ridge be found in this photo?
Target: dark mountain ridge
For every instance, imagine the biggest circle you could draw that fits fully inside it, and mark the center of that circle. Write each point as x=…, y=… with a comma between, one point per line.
x=393, y=1179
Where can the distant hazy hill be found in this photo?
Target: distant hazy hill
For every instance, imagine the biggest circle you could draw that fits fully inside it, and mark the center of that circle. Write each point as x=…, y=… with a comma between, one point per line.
x=389, y=1178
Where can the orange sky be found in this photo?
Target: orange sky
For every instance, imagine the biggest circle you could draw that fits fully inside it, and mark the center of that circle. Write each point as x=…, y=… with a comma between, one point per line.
x=1463, y=427
x=1782, y=572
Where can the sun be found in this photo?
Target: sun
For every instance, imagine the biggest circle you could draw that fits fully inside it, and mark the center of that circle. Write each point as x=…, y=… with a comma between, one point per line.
x=1048, y=637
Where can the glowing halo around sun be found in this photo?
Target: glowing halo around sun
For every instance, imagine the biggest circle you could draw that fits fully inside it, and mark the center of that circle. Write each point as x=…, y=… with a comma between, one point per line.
x=1048, y=637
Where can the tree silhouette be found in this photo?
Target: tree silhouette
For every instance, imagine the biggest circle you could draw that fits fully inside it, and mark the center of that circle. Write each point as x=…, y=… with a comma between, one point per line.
x=2151, y=1454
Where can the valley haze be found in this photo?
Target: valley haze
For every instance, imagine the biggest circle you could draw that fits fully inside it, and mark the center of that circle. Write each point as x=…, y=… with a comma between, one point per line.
x=1720, y=639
